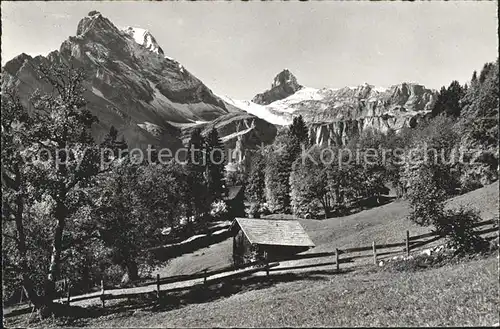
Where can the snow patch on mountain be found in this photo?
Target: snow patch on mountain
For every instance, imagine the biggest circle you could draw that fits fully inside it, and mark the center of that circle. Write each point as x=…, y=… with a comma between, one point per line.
x=304, y=94
x=98, y=92
x=151, y=128
x=380, y=89
x=144, y=38
x=260, y=111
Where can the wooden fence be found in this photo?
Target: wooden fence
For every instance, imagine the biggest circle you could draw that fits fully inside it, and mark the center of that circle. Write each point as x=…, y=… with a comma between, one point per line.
x=338, y=257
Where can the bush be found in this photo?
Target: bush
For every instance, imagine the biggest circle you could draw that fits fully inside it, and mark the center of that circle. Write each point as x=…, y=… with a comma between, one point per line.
x=457, y=225
x=470, y=182
x=218, y=210
x=427, y=198
x=256, y=210
x=113, y=275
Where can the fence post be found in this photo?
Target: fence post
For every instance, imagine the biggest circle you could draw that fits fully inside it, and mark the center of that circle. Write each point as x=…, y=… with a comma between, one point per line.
x=26, y=293
x=374, y=253
x=22, y=293
x=158, y=286
x=337, y=258
x=407, y=243
x=205, y=277
x=267, y=263
x=102, y=293
x=68, y=296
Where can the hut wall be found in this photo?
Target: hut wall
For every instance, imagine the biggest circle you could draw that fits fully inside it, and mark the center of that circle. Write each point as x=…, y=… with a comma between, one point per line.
x=243, y=250
x=281, y=252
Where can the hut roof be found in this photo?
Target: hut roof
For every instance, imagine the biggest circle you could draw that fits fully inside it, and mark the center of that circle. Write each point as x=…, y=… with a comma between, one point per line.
x=233, y=191
x=274, y=232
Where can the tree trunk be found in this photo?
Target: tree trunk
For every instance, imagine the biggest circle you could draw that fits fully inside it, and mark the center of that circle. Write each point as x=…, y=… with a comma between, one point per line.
x=55, y=259
x=21, y=244
x=132, y=270
x=324, y=203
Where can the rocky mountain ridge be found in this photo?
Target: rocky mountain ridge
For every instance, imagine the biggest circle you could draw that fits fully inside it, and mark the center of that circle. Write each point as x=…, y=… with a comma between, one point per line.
x=335, y=115
x=130, y=84
x=153, y=100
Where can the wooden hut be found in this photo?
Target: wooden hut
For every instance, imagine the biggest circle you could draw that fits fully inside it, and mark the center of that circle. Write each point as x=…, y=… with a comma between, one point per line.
x=259, y=239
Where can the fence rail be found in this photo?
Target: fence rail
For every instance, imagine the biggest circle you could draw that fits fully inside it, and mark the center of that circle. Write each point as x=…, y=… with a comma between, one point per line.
x=107, y=296
x=409, y=243
x=432, y=234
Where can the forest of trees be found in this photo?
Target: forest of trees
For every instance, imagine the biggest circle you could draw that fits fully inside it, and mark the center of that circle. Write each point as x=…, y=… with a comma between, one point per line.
x=463, y=118
x=75, y=218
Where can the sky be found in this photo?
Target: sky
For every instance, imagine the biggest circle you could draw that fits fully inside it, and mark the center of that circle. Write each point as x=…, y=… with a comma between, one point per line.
x=236, y=48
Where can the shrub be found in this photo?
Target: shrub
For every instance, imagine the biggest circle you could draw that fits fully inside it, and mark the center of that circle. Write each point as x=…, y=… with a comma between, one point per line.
x=427, y=198
x=218, y=209
x=470, y=182
x=418, y=262
x=113, y=275
x=256, y=210
x=457, y=225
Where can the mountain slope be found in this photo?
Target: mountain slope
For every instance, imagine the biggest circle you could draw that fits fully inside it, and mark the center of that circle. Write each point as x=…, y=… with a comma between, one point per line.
x=130, y=84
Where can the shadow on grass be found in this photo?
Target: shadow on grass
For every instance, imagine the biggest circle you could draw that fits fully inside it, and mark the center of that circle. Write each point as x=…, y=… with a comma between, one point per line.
x=358, y=206
x=76, y=316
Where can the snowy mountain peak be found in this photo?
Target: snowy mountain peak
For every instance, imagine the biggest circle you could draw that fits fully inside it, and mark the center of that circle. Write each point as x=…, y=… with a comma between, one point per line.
x=284, y=85
x=144, y=38
x=285, y=77
x=94, y=21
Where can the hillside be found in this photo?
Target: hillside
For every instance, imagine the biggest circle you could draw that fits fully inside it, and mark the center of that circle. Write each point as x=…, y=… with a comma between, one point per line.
x=453, y=295
x=384, y=224
x=464, y=293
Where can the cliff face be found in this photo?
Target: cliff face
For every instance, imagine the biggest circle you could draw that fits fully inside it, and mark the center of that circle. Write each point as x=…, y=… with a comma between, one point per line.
x=341, y=131
x=239, y=131
x=129, y=84
x=346, y=112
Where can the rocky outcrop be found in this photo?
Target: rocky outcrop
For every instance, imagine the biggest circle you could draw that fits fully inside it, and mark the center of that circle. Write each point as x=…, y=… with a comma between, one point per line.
x=239, y=131
x=284, y=85
x=348, y=111
x=340, y=132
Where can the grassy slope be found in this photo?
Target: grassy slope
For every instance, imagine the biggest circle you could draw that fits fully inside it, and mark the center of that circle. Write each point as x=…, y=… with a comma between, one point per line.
x=464, y=294
x=453, y=295
x=385, y=224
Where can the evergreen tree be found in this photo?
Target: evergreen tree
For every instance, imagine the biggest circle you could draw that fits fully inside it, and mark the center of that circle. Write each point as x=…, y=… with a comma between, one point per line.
x=214, y=152
x=454, y=94
x=117, y=146
x=481, y=125
x=279, y=166
x=196, y=162
x=448, y=101
x=255, y=187
x=299, y=135
x=474, y=78
x=277, y=181
x=440, y=105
